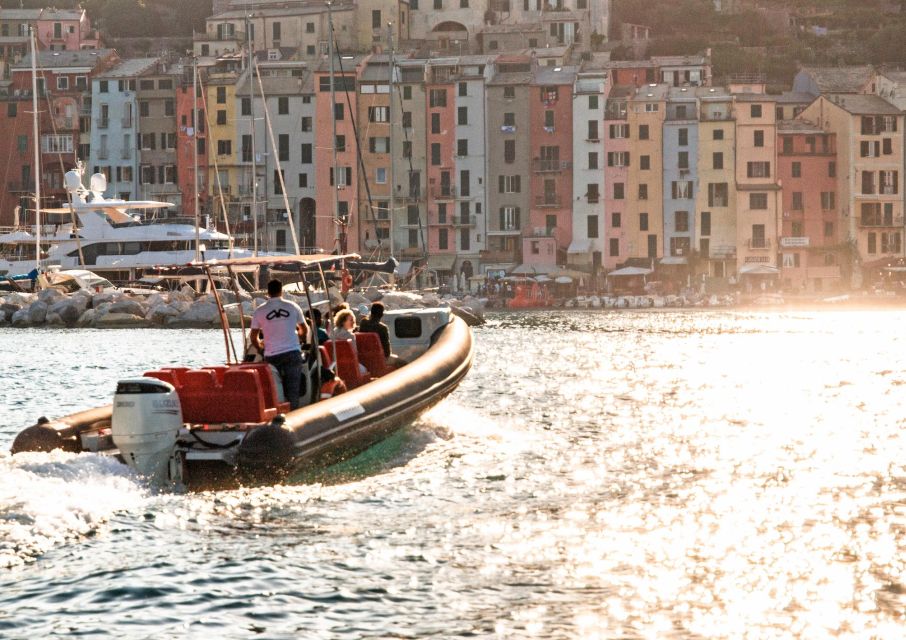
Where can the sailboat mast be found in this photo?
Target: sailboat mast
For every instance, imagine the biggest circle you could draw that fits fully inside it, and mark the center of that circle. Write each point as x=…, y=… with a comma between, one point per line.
x=333, y=120
x=392, y=132
x=248, y=33
x=37, y=147
x=195, y=153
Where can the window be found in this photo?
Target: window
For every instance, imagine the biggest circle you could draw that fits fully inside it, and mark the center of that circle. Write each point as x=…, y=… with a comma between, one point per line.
x=509, y=93
x=103, y=86
x=303, y=180
x=828, y=200
x=644, y=163
x=221, y=95
x=828, y=229
x=144, y=108
x=614, y=247
x=643, y=222
x=758, y=201
x=509, y=151
x=759, y=138
x=652, y=107
x=592, y=193
x=438, y=98
x=407, y=148
x=306, y=123
x=758, y=169
x=379, y=114
x=616, y=220
x=797, y=201
x=681, y=190
x=755, y=110
x=887, y=146
x=592, y=229
x=592, y=159
x=509, y=184
x=888, y=182
x=797, y=169
x=592, y=102
x=224, y=147
x=345, y=177
x=618, y=131
x=169, y=107
x=438, y=4
x=435, y=123
x=283, y=147
x=683, y=137
x=619, y=191
x=435, y=154
x=758, y=238
x=463, y=89
x=593, y=130
x=509, y=119
x=63, y=83
x=465, y=185
x=462, y=115
x=643, y=192
x=509, y=219
x=283, y=105
x=872, y=242
x=831, y=169
x=682, y=160
x=407, y=119
x=407, y=92
x=717, y=134
x=380, y=144
x=340, y=143
x=306, y=153
x=375, y=18
x=548, y=119
x=718, y=194
x=643, y=132
x=617, y=158
x=309, y=27
x=681, y=221
x=706, y=223
x=462, y=147
x=717, y=160
x=380, y=175
x=275, y=31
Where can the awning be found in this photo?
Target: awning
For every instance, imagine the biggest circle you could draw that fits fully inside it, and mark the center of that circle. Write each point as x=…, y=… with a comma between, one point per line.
x=402, y=269
x=442, y=262
x=673, y=260
x=579, y=246
x=528, y=269
x=630, y=271
x=758, y=270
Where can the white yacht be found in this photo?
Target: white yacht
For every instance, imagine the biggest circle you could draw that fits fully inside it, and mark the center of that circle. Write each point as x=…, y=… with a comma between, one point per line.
x=112, y=241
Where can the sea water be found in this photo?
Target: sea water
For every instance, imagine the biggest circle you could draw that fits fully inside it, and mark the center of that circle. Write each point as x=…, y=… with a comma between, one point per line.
x=597, y=475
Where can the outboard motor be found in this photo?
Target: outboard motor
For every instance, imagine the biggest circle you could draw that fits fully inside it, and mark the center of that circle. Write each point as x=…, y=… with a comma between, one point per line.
x=146, y=421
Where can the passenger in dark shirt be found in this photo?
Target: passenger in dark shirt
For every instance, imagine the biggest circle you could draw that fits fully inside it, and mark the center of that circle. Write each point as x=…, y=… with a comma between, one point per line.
x=373, y=324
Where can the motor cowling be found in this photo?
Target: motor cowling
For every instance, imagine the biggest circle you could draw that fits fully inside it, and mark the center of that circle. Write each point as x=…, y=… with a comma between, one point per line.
x=146, y=421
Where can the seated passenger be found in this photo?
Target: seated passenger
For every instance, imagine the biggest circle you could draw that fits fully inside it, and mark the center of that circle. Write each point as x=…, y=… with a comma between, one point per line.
x=331, y=384
x=316, y=319
x=344, y=329
x=373, y=324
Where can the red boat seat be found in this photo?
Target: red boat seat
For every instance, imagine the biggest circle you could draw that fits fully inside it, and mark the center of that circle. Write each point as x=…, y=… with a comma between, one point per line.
x=218, y=370
x=371, y=353
x=242, y=399
x=268, y=385
x=325, y=355
x=347, y=363
x=198, y=394
x=165, y=375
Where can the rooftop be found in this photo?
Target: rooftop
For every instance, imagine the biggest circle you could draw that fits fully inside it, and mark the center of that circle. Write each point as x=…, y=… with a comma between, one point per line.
x=863, y=105
x=62, y=14
x=679, y=61
x=57, y=59
x=651, y=92
x=795, y=97
x=289, y=10
x=798, y=126
x=130, y=68
x=839, y=79
x=20, y=14
x=554, y=75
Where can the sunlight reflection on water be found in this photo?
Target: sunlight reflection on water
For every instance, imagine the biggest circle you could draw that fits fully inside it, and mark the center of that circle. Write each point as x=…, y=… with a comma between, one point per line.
x=598, y=475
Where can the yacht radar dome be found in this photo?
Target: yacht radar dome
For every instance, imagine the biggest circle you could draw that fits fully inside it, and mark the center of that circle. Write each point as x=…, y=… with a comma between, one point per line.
x=73, y=181
x=98, y=183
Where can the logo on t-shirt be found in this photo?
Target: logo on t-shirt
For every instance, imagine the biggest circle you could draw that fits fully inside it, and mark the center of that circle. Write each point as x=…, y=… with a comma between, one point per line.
x=277, y=313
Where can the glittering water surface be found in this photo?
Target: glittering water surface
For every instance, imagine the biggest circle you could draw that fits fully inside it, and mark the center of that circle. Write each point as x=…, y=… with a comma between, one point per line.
x=686, y=475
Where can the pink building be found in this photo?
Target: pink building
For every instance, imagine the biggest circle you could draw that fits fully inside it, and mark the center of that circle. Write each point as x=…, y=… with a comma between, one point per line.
x=441, y=165
x=551, y=141
x=807, y=169
x=66, y=30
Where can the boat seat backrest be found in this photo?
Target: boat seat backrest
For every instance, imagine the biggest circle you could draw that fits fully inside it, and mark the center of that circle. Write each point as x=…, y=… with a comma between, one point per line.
x=268, y=385
x=218, y=370
x=347, y=363
x=371, y=353
x=242, y=399
x=165, y=376
x=197, y=393
x=325, y=355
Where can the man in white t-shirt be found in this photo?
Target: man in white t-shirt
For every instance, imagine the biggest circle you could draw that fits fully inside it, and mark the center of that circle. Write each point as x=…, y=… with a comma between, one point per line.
x=281, y=324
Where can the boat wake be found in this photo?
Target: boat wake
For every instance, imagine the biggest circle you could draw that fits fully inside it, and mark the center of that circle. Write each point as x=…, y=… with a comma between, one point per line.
x=49, y=499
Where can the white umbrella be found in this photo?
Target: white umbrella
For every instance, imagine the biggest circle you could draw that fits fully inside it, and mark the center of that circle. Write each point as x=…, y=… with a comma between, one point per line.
x=542, y=278
x=563, y=280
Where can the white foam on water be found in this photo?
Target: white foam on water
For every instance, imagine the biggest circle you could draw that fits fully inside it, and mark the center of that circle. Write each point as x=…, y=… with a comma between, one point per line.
x=49, y=499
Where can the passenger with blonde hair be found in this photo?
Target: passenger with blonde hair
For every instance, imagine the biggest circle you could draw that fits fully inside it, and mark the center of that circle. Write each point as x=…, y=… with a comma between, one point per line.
x=344, y=326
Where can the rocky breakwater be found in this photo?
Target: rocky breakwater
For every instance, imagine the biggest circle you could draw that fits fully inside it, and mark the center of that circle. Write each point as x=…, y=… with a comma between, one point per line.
x=182, y=309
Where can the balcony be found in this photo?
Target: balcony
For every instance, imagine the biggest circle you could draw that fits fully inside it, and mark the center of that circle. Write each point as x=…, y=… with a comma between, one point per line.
x=547, y=200
x=103, y=123
x=615, y=113
x=757, y=244
x=498, y=255
x=793, y=242
x=412, y=252
x=550, y=166
x=64, y=123
x=716, y=116
x=464, y=221
x=443, y=192
x=880, y=221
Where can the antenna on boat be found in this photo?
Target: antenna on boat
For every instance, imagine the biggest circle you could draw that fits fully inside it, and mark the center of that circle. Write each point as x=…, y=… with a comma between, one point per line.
x=37, y=148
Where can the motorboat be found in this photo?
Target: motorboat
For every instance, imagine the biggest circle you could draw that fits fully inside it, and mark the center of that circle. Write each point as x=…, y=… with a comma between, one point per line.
x=227, y=425
x=111, y=240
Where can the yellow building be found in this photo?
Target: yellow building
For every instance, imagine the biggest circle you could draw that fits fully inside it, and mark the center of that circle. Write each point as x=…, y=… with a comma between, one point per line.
x=644, y=191
x=220, y=99
x=758, y=192
x=716, y=198
x=870, y=168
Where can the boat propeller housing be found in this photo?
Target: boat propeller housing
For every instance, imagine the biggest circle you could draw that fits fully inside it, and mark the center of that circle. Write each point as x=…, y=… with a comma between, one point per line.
x=146, y=420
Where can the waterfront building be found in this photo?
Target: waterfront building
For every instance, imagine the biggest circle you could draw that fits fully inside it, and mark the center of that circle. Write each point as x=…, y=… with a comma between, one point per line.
x=715, y=229
x=758, y=196
x=189, y=136
x=156, y=134
x=409, y=227
x=509, y=161
x=448, y=26
x=228, y=182
x=442, y=147
x=375, y=18
x=549, y=231
x=680, y=174
x=810, y=232
x=791, y=103
x=65, y=30
x=844, y=79
x=619, y=229
x=642, y=195
x=344, y=186
x=869, y=166
x=588, y=241
x=684, y=71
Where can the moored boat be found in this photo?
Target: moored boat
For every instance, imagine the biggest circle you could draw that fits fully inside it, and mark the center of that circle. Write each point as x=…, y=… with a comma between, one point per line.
x=226, y=425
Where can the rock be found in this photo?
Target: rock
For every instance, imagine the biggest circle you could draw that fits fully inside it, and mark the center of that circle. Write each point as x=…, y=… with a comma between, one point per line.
x=2, y=316
x=50, y=296
x=401, y=300
x=20, y=318
x=9, y=308
x=20, y=299
x=128, y=306
x=373, y=293
x=162, y=312
x=200, y=313
x=99, y=299
x=68, y=310
x=87, y=318
x=113, y=319
x=37, y=311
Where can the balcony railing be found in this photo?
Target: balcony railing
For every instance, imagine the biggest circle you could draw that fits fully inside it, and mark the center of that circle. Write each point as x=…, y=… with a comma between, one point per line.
x=888, y=221
x=715, y=116
x=550, y=166
x=759, y=243
x=443, y=192
x=611, y=113
x=464, y=221
x=64, y=122
x=790, y=242
x=548, y=200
